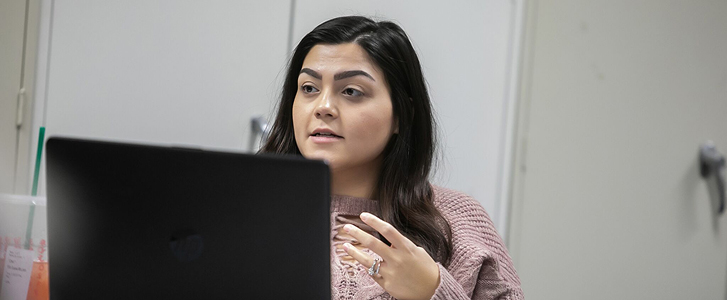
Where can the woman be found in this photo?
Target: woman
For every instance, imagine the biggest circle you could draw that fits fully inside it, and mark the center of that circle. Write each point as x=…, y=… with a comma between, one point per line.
x=354, y=95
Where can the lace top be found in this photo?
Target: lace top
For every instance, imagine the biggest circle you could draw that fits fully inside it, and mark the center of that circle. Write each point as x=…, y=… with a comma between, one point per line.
x=346, y=210
x=480, y=267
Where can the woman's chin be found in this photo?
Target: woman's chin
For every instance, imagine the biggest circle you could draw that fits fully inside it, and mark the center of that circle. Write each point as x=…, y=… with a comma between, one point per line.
x=321, y=156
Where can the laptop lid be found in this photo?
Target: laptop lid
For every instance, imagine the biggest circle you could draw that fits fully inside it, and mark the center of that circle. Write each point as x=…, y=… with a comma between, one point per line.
x=130, y=221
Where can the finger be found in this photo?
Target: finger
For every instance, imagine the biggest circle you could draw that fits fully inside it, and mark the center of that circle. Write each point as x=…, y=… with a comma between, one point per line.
x=367, y=240
x=363, y=258
x=388, y=231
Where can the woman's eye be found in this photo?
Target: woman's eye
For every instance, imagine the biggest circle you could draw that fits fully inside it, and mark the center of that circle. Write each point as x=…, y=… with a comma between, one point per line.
x=352, y=92
x=308, y=89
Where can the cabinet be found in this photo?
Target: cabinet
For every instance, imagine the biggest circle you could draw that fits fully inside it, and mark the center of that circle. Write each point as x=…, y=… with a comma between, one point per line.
x=196, y=72
x=18, y=40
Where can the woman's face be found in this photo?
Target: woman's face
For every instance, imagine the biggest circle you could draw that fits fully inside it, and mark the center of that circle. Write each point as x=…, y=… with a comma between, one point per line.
x=342, y=112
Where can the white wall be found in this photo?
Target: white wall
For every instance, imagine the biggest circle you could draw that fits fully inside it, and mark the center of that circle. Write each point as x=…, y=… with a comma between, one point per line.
x=187, y=72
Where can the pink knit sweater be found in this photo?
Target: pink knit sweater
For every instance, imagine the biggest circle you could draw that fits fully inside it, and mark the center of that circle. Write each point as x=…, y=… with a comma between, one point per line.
x=480, y=267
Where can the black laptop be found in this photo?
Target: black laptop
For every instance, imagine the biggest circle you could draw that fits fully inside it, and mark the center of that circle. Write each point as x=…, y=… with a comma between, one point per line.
x=129, y=221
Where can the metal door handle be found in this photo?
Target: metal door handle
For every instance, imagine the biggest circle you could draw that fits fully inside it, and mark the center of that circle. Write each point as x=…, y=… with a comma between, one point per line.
x=711, y=164
x=260, y=131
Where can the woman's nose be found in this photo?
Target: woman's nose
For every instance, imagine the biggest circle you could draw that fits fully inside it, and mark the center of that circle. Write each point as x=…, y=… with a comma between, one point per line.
x=326, y=107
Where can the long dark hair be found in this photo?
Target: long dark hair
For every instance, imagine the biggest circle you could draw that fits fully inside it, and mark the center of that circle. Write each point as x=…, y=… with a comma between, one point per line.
x=404, y=193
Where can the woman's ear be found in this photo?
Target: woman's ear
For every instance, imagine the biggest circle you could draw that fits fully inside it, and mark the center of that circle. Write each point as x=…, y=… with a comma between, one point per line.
x=411, y=110
x=395, y=125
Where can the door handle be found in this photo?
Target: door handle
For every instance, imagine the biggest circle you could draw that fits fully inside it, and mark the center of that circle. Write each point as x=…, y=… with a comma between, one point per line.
x=260, y=132
x=711, y=163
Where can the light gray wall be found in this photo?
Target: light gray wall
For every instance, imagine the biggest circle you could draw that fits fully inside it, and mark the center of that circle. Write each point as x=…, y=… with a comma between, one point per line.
x=609, y=202
x=193, y=73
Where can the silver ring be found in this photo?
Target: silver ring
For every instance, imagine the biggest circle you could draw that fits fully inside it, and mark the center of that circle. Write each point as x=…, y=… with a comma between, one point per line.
x=374, y=270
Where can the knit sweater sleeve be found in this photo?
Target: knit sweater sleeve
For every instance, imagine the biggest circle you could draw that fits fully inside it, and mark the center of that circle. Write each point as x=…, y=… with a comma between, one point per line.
x=480, y=267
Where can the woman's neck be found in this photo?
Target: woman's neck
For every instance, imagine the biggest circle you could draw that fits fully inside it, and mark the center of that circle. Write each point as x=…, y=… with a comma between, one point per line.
x=358, y=182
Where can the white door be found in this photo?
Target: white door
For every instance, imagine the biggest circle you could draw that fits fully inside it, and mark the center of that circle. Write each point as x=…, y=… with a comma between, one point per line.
x=189, y=73
x=608, y=200
x=12, y=19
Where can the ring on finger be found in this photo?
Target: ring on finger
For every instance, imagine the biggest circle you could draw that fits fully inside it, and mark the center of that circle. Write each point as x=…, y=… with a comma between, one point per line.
x=374, y=270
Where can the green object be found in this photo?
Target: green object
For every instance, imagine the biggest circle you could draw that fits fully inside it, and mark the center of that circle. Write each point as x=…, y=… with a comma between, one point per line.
x=31, y=214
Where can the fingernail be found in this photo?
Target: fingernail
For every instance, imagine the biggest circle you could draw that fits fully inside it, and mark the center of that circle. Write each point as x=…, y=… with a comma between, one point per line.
x=365, y=216
x=347, y=228
x=347, y=246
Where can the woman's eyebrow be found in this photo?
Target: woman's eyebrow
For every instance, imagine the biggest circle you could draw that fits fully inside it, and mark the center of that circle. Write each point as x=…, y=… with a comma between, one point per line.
x=347, y=74
x=339, y=76
x=310, y=72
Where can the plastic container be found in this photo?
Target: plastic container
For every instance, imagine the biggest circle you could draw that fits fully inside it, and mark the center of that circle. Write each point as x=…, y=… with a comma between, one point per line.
x=14, y=214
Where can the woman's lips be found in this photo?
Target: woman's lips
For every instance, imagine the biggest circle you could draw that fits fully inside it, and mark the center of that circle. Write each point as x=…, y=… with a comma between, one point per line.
x=323, y=139
x=324, y=135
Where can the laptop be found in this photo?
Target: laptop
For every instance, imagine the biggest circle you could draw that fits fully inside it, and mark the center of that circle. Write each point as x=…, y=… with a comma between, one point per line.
x=130, y=221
